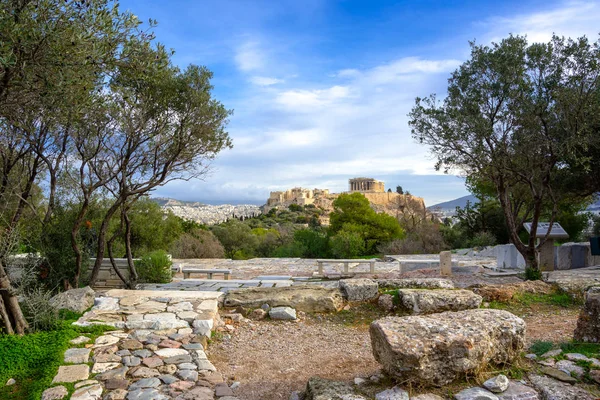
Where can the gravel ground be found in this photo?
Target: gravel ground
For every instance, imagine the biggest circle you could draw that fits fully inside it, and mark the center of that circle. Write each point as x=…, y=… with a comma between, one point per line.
x=272, y=359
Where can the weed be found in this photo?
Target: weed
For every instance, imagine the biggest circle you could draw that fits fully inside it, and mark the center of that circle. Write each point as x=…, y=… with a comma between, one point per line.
x=587, y=349
x=540, y=347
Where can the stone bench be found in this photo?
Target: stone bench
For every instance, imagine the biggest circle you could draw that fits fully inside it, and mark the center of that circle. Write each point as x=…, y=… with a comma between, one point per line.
x=209, y=272
x=346, y=264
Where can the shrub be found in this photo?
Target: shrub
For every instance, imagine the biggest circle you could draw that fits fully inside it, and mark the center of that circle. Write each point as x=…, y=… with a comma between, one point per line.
x=40, y=315
x=483, y=239
x=295, y=207
x=532, y=274
x=347, y=245
x=155, y=267
x=423, y=238
x=198, y=243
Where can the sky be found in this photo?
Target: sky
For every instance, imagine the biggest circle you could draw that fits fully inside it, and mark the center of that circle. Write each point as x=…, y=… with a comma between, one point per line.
x=320, y=90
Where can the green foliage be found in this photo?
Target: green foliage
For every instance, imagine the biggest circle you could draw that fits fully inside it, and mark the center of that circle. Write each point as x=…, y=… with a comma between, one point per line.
x=353, y=213
x=347, y=245
x=425, y=237
x=155, y=267
x=197, y=243
x=532, y=274
x=314, y=244
x=587, y=349
x=152, y=228
x=540, y=347
x=399, y=189
x=237, y=238
x=295, y=207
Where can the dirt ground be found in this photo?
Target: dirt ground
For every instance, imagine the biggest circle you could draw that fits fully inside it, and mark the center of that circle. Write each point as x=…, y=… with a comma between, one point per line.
x=272, y=359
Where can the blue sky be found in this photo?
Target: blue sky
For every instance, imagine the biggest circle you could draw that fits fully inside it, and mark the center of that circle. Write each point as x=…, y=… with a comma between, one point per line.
x=321, y=89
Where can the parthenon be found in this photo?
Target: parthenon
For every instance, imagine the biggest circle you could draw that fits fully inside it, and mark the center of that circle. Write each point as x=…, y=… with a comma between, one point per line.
x=366, y=185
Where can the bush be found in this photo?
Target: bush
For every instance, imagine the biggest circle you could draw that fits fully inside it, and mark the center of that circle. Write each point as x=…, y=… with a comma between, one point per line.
x=198, y=243
x=40, y=315
x=347, y=245
x=155, y=267
x=423, y=238
x=483, y=239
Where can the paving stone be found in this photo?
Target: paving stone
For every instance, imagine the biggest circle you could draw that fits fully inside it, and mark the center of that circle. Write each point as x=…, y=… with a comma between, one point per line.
x=143, y=372
x=168, y=379
x=185, y=331
x=99, y=368
x=551, y=353
x=151, y=307
x=570, y=368
x=184, y=358
x=93, y=392
x=557, y=374
x=146, y=394
x=106, y=304
x=116, y=384
x=193, y=346
x=551, y=389
x=117, y=373
x=518, y=391
x=170, y=352
x=106, y=358
x=182, y=306
x=475, y=393
x=85, y=383
x=168, y=343
x=222, y=389
x=187, y=366
x=142, y=353
x=123, y=353
x=72, y=373
x=131, y=361
x=197, y=393
x=105, y=340
x=55, y=393
x=118, y=394
x=145, y=383
x=77, y=356
x=188, y=375
x=182, y=385
x=80, y=340
x=167, y=369
x=203, y=326
x=131, y=344
x=394, y=393
x=132, y=301
x=205, y=365
x=153, y=362
x=576, y=357
x=199, y=355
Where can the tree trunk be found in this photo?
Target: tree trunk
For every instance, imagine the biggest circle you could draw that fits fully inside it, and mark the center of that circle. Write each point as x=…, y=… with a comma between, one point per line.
x=102, y=240
x=75, y=245
x=15, y=319
x=133, y=276
x=5, y=318
x=112, y=258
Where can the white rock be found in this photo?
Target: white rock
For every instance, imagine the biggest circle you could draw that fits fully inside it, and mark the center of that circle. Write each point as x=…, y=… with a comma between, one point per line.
x=497, y=384
x=203, y=326
x=106, y=304
x=394, y=393
x=283, y=313
x=167, y=352
x=98, y=368
x=475, y=393
x=105, y=340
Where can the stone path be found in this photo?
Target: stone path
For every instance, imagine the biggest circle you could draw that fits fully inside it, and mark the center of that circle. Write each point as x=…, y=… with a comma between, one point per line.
x=223, y=286
x=159, y=353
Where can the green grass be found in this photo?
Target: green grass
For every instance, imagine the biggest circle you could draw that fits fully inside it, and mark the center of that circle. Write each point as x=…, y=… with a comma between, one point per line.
x=559, y=299
x=587, y=349
x=33, y=359
x=540, y=347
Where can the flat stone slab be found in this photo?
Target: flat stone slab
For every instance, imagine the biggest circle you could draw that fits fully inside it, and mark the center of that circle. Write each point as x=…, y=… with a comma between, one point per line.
x=425, y=301
x=77, y=356
x=307, y=298
x=273, y=278
x=72, y=373
x=437, y=349
x=555, y=390
x=173, y=294
x=415, y=283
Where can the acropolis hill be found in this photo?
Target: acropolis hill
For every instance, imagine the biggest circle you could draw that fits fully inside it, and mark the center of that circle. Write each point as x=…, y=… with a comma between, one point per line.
x=392, y=203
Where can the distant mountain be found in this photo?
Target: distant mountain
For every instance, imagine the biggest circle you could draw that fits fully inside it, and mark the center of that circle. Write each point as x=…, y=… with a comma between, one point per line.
x=452, y=204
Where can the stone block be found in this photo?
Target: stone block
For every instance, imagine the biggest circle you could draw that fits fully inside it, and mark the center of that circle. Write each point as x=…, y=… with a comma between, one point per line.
x=424, y=301
x=77, y=356
x=282, y=313
x=572, y=256
x=307, y=298
x=72, y=373
x=359, y=289
x=588, y=323
x=446, y=263
x=416, y=283
x=439, y=348
x=77, y=300
x=508, y=257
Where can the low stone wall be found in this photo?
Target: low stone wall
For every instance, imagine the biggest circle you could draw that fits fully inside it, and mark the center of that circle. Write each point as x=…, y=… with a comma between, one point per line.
x=107, y=277
x=566, y=256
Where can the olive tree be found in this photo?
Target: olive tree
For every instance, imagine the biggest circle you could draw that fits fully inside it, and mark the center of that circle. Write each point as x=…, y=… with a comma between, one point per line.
x=522, y=117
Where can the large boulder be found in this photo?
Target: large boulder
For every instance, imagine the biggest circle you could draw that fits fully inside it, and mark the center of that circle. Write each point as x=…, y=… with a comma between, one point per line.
x=307, y=298
x=439, y=348
x=359, y=289
x=505, y=292
x=423, y=301
x=588, y=323
x=415, y=283
x=77, y=300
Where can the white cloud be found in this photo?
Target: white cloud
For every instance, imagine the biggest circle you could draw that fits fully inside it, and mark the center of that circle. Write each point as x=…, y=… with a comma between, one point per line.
x=265, y=80
x=249, y=56
x=302, y=99
x=570, y=19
